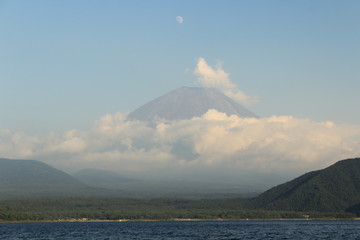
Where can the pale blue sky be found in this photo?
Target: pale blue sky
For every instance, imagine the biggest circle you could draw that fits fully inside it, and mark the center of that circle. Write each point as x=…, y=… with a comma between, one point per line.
x=64, y=64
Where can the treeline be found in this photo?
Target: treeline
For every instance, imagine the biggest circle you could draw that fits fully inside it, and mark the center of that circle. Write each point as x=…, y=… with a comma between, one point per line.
x=141, y=209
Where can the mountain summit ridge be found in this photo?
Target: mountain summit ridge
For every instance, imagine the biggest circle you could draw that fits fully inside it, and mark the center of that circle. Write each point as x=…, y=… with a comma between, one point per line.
x=189, y=102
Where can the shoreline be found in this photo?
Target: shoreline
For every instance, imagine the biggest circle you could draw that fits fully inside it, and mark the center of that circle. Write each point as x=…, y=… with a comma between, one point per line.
x=179, y=220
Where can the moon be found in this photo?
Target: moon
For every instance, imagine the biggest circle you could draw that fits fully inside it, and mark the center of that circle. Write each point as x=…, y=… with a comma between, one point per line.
x=180, y=19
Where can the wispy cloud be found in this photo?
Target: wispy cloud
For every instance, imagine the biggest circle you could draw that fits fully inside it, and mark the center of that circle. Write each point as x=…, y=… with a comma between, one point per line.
x=216, y=77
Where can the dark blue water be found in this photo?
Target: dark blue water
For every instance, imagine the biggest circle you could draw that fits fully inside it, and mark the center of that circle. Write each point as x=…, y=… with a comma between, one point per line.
x=184, y=230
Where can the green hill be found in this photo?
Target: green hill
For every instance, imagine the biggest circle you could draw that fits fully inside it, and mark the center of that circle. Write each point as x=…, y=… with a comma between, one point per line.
x=333, y=189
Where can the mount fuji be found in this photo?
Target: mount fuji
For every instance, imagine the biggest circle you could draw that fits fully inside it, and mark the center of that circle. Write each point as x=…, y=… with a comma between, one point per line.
x=189, y=102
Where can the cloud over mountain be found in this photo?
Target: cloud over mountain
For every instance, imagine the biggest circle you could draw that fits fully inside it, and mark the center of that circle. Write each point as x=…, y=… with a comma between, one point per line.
x=217, y=78
x=214, y=141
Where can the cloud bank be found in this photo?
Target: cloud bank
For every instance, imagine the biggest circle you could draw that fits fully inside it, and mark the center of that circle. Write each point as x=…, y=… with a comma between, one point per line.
x=217, y=78
x=214, y=141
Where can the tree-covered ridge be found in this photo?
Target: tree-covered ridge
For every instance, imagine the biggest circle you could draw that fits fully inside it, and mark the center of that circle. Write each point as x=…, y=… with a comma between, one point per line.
x=141, y=209
x=335, y=188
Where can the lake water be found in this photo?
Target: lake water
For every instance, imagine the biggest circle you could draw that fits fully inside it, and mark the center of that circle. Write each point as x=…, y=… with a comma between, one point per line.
x=184, y=230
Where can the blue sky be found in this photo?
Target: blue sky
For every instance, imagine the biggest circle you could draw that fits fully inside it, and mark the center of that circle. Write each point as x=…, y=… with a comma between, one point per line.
x=64, y=64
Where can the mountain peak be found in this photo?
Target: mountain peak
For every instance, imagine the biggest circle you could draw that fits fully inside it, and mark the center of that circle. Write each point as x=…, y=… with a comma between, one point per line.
x=188, y=102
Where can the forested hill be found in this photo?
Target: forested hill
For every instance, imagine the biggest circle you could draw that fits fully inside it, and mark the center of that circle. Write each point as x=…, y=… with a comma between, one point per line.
x=336, y=188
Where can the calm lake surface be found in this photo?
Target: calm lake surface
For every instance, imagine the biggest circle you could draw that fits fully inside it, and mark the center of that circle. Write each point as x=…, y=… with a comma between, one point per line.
x=184, y=230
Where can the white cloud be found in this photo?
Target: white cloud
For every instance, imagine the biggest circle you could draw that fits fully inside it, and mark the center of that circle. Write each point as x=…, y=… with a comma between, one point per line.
x=217, y=78
x=279, y=144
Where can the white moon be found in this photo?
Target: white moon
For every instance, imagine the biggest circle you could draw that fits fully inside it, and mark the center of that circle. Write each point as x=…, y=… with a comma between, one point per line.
x=179, y=19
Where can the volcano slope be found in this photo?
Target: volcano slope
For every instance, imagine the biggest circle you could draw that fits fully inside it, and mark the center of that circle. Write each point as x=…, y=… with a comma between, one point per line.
x=186, y=103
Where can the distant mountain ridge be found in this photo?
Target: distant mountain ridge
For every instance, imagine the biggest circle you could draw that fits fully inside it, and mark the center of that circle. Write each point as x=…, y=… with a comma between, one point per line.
x=335, y=188
x=25, y=178
x=31, y=178
x=16, y=172
x=188, y=102
x=101, y=178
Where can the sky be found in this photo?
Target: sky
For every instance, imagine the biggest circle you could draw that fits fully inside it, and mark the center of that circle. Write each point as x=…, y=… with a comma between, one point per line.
x=72, y=69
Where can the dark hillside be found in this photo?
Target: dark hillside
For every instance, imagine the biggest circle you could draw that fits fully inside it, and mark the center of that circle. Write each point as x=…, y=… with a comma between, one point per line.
x=335, y=188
